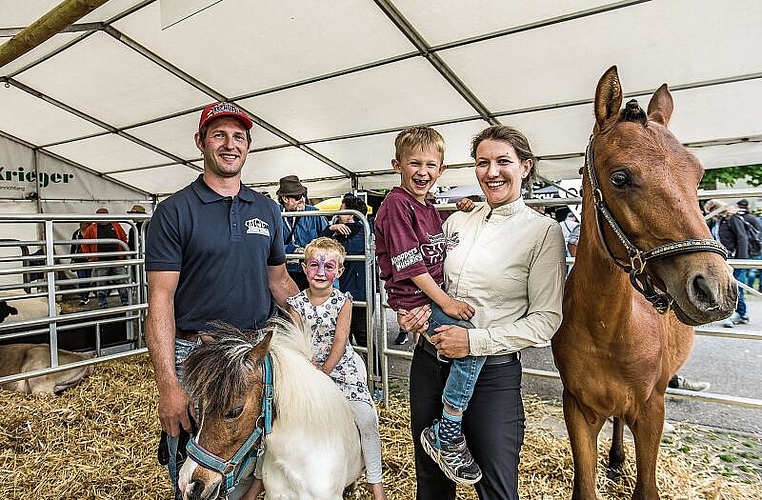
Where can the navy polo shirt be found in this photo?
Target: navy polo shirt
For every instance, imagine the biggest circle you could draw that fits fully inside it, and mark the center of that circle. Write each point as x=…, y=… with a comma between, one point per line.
x=221, y=246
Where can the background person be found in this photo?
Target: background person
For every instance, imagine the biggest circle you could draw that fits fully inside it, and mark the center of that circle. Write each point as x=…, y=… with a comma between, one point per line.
x=131, y=236
x=297, y=231
x=507, y=262
x=102, y=230
x=214, y=251
x=727, y=227
x=76, y=249
x=754, y=253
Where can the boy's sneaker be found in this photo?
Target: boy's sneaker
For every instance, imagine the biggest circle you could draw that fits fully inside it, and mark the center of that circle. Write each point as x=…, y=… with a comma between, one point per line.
x=453, y=458
x=743, y=320
x=84, y=302
x=401, y=338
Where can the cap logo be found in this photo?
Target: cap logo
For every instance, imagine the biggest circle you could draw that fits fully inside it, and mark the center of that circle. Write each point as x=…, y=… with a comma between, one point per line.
x=224, y=107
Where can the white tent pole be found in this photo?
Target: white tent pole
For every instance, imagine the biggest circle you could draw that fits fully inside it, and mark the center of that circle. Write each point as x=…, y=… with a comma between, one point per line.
x=56, y=20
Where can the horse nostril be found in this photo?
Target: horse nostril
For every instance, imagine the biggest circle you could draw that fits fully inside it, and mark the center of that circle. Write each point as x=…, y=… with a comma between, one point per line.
x=703, y=292
x=194, y=490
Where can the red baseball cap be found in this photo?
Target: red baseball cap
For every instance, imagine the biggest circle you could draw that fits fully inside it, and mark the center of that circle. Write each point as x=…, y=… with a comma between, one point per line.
x=220, y=109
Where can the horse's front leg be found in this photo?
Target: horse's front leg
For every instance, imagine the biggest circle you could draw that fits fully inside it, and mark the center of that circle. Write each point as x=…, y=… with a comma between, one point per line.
x=616, y=452
x=583, y=436
x=647, y=432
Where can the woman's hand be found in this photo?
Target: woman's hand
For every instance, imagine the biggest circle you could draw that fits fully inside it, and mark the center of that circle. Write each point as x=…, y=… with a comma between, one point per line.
x=451, y=341
x=415, y=320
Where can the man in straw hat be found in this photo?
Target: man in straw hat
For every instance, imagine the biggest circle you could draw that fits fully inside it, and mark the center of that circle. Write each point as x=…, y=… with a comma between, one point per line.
x=298, y=231
x=131, y=236
x=214, y=251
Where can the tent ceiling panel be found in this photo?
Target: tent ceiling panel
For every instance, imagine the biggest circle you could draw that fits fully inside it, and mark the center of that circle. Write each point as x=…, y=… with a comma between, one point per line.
x=394, y=95
x=175, y=135
x=731, y=155
x=112, y=83
x=108, y=153
x=269, y=166
x=38, y=122
x=342, y=77
x=375, y=152
x=721, y=111
x=48, y=46
x=169, y=178
x=648, y=53
x=555, y=131
x=441, y=22
x=21, y=14
x=567, y=168
x=269, y=42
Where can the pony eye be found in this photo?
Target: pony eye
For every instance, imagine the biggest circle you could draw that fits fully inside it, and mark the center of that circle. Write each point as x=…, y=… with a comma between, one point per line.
x=234, y=413
x=619, y=179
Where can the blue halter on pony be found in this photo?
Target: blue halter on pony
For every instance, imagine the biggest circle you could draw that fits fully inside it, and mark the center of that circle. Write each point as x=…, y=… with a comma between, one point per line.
x=232, y=469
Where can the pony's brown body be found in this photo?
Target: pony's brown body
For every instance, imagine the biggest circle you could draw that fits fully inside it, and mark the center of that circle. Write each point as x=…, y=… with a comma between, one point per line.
x=614, y=351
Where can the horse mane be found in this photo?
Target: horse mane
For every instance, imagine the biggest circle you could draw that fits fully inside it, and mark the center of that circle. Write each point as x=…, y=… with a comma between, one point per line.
x=634, y=113
x=299, y=384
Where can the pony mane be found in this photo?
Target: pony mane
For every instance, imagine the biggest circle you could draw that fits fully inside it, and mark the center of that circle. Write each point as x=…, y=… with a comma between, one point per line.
x=220, y=371
x=299, y=384
x=634, y=113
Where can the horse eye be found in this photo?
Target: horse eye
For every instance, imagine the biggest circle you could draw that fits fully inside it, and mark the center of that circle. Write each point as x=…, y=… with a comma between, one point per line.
x=234, y=413
x=619, y=179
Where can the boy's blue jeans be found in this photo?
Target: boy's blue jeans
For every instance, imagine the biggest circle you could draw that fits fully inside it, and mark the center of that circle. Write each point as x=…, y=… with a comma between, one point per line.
x=464, y=371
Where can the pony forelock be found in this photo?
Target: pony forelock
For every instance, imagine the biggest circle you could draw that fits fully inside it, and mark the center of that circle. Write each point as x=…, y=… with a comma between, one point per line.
x=218, y=373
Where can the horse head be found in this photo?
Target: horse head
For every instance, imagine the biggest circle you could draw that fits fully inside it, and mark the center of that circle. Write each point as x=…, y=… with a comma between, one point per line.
x=225, y=376
x=643, y=184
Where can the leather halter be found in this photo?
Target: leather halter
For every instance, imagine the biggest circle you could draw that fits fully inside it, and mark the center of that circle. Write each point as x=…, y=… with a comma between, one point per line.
x=232, y=469
x=641, y=281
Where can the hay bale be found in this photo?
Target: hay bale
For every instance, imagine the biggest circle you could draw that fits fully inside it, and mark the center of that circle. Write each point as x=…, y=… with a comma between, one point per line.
x=99, y=441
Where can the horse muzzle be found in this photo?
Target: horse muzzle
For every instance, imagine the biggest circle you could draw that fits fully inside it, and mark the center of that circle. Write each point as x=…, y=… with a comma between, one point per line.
x=200, y=490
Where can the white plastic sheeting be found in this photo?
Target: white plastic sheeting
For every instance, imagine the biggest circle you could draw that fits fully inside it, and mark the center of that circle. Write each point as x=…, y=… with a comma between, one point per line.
x=330, y=83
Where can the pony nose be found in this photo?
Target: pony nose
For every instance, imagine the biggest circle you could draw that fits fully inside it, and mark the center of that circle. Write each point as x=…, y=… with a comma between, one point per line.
x=194, y=490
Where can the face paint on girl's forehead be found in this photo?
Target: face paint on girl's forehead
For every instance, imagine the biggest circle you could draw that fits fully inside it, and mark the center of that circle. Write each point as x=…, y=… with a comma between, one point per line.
x=320, y=265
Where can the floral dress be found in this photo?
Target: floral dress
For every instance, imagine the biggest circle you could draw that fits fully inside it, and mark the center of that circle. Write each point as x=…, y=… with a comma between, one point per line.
x=321, y=320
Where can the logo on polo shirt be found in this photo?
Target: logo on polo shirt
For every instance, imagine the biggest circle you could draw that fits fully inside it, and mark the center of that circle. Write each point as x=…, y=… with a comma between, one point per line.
x=257, y=226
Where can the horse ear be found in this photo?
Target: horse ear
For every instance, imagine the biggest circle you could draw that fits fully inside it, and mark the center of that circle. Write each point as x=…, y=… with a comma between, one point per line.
x=260, y=350
x=608, y=96
x=661, y=106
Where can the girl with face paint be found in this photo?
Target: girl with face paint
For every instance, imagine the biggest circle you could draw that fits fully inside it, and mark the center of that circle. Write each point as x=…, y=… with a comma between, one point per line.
x=327, y=313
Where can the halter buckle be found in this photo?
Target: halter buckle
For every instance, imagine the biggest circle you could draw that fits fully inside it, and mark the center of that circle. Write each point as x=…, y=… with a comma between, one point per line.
x=637, y=263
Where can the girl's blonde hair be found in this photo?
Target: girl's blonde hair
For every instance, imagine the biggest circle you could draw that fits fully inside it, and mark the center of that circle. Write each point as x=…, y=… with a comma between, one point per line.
x=327, y=245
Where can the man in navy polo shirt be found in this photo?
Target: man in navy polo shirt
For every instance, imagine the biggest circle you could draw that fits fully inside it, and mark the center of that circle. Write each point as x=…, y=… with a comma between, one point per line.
x=214, y=251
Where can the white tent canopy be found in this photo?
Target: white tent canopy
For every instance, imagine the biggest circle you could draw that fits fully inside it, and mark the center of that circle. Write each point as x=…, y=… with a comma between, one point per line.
x=330, y=83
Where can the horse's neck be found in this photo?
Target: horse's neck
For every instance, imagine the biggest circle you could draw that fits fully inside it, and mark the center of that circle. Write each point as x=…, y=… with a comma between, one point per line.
x=596, y=272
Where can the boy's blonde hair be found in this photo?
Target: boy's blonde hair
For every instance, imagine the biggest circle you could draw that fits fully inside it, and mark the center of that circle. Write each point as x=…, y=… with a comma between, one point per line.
x=418, y=137
x=327, y=245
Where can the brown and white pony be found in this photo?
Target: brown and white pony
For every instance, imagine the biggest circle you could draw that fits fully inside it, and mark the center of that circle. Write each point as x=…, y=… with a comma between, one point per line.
x=264, y=395
x=646, y=272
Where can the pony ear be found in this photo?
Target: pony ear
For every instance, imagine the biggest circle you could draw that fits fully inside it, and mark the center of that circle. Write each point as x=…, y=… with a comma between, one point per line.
x=608, y=96
x=260, y=350
x=661, y=106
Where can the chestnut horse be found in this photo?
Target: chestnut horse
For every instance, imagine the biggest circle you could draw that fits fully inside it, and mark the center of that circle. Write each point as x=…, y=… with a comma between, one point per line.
x=646, y=272
x=264, y=396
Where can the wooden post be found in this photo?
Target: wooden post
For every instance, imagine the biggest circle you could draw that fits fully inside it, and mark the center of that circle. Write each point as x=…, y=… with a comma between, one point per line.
x=57, y=19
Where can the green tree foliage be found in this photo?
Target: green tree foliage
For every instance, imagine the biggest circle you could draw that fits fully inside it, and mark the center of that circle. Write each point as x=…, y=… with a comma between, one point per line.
x=729, y=175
